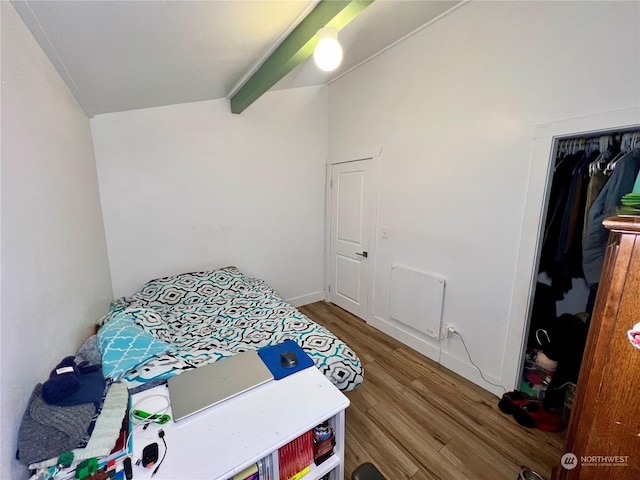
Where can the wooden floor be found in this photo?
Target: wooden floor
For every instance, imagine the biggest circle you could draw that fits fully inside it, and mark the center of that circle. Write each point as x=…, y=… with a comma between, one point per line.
x=417, y=420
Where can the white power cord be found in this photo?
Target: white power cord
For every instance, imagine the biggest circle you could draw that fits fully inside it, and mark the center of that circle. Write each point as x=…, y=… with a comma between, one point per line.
x=455, y=332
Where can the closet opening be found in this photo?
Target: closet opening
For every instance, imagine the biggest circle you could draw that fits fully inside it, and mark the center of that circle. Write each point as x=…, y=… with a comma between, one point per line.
x=593, y=176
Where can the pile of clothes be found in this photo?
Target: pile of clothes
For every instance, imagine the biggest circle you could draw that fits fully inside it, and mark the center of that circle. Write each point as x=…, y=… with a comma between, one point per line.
x=75, y=410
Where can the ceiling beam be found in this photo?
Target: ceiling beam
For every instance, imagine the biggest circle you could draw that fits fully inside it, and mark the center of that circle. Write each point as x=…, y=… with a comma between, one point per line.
x=296, y=48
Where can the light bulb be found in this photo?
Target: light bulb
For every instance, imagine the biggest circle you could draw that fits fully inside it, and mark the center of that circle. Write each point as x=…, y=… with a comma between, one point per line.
x=328, y=52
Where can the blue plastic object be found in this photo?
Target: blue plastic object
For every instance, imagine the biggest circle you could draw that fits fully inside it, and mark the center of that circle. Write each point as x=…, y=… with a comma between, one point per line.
x=271, y=358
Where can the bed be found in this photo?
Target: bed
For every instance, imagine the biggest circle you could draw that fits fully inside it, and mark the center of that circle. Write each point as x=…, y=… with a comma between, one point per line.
x=207, y=316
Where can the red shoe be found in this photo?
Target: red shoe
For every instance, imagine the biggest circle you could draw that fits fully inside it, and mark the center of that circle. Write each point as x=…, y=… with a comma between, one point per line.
x=533, y=414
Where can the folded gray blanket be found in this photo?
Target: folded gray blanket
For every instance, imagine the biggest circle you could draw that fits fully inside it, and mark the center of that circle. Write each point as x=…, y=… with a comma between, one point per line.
x=90, y=352
x=48, y=430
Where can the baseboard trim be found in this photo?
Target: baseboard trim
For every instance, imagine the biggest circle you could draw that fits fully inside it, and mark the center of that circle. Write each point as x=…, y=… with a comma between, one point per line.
x=435, y=353
x=303, y=300
x=470, y=372
x=407, y=337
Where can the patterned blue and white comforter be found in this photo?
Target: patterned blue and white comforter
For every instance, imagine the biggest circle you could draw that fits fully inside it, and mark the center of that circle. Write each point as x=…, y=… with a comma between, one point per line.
x=211, y=315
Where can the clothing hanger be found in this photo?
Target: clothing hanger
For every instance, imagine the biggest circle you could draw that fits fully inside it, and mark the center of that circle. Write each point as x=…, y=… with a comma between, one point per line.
x=563, y=152
x=624, y=149
x=592, y=144
x=604, y=144
x=625, y=144
x=611, y=166
x=562, y=148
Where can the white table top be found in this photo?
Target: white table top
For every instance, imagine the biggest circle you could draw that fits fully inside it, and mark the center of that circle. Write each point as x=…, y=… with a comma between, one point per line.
x=222, y=440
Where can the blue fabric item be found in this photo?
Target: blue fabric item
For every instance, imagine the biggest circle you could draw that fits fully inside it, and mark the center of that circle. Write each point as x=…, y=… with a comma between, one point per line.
x=124, y=345
x=636, y=186
x=85, y=368
x=147, y=386
x=605, y=205
x=90, y=390
x=64, y=379
x=271, y=358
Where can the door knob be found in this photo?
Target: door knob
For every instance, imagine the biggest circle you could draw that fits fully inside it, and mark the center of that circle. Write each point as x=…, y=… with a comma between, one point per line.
x=363, y=254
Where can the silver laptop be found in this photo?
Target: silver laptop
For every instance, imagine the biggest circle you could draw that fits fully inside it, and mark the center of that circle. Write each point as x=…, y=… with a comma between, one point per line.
x=200, y=388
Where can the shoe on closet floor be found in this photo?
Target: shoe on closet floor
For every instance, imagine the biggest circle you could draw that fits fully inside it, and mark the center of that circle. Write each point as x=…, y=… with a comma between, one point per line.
x=533, y=415
x=511, y=401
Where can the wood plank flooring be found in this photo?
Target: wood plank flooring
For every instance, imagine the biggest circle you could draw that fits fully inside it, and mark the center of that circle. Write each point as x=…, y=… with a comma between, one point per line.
x=417, y=420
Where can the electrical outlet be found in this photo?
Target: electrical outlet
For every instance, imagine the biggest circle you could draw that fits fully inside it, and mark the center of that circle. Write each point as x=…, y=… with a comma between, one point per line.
x=444, y=331
x=449, y=330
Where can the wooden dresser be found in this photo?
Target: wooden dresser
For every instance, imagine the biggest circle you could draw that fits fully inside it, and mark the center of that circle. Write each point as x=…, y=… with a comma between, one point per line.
x=604, y=429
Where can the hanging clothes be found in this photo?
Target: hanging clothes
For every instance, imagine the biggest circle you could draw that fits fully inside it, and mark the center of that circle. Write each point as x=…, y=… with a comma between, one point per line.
x=597, y=182
x=574, y=216
x=621, y=182
x=590, y=177
x=563, y=269
x=561, y=256
x=555, y=233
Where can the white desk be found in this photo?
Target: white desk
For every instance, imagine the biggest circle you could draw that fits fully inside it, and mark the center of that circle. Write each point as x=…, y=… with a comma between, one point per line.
x=224, y=439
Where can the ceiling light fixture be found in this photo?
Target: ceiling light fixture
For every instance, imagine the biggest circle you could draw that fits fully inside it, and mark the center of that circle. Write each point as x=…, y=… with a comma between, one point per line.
x=328, y=52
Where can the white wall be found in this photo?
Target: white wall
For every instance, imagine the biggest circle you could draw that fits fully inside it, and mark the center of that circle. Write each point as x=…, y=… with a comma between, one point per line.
x=453, y=108
x=55, y=274
x=193, y=187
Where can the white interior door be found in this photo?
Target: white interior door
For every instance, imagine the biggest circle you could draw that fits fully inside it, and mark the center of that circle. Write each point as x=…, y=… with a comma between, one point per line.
x=352, y=206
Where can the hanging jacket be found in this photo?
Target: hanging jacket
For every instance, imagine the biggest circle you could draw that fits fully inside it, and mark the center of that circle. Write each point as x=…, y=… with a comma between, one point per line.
x=557, y=204
x=605, y=205
x=596, y=183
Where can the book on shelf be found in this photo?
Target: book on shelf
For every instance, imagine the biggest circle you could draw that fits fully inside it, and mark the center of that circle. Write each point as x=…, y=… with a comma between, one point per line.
x=295, y=458
x=267, y=465
x=301, y=473
x=258, y=471
x=249, y=473
x=323, y=442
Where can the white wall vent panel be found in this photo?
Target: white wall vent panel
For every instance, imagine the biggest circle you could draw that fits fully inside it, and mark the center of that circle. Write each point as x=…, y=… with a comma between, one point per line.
x=415, y=299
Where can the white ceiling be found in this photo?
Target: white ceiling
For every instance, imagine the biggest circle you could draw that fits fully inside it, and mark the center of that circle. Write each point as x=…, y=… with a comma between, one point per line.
x=125, y=55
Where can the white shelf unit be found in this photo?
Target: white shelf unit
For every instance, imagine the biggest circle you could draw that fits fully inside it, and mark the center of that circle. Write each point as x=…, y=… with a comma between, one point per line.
x=222, y=440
